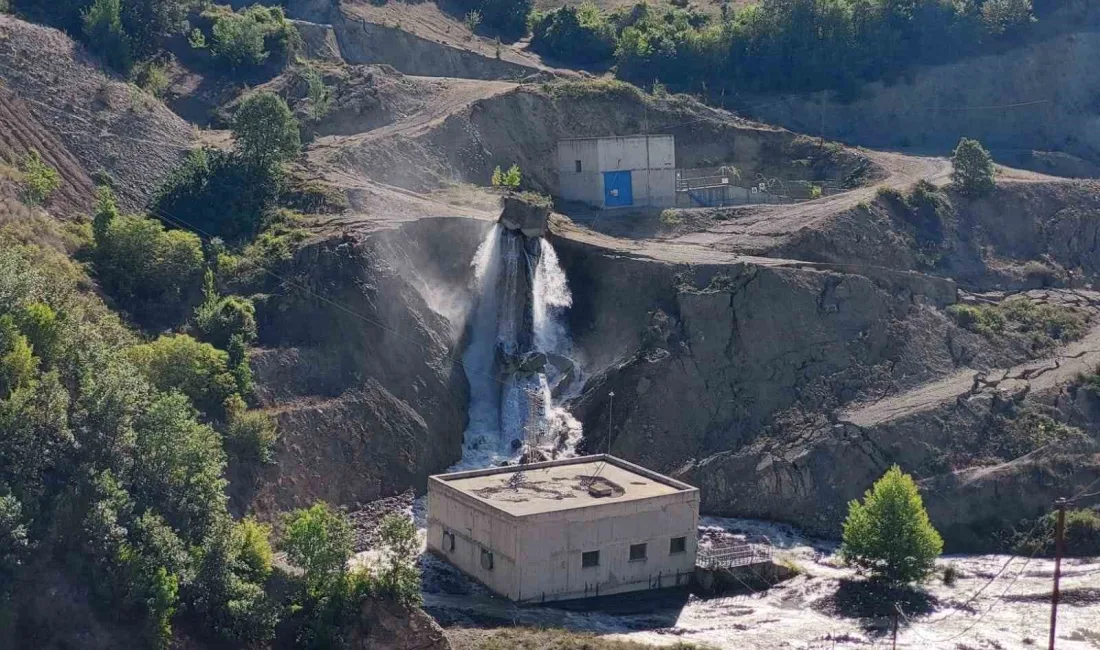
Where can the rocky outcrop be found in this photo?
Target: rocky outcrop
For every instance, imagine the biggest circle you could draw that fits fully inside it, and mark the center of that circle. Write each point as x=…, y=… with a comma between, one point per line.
x=526, y=214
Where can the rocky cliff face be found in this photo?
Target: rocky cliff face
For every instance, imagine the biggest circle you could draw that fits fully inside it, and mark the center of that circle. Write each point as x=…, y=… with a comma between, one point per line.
x=751, y=380
x=359, y=365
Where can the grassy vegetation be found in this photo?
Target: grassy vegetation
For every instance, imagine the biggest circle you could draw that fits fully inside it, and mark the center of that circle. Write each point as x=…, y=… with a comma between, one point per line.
x=38, y=179
x=1045, y=324
x=545, y=639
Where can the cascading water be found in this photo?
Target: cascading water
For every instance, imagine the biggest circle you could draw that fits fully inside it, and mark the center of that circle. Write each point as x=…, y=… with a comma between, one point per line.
x=518, y=360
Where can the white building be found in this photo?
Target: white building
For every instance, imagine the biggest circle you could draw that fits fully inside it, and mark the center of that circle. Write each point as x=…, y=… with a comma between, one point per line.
x=619, y=172
x=555, y=532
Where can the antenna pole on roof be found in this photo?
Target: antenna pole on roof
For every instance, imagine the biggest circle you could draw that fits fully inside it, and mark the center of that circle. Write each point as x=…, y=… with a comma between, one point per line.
x=610, y=419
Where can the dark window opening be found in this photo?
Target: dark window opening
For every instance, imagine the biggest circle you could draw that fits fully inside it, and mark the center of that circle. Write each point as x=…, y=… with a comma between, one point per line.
x=448, y=541
x=590, y=559
x=577, y=163
x=637, y=552
x=486, y=560
x=677, y=545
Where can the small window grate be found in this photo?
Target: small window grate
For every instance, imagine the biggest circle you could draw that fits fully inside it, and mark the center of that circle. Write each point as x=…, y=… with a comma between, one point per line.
x=590, y=559
x=637, y=552
x=677, y=545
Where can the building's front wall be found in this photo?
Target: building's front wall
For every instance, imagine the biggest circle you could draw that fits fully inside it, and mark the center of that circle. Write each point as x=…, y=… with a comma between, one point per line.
x=475, y=527
x=551, y=547
x=587, y=185
x=653, y=176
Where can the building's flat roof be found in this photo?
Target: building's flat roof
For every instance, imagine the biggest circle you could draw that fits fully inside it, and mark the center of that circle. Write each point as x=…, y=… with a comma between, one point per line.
x=562, y=485
x=652, y=136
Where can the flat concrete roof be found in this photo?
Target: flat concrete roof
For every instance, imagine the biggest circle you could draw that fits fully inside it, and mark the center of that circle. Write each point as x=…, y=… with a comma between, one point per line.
x=562, y=485
x=651, y=136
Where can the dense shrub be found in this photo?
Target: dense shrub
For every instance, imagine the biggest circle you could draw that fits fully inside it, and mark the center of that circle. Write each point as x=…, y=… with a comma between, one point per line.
x=506, y=17
x=1045, y=324
x=889, y=534
x=219, y=318
x=198, y=370
x=1082, y=534
x=150, y=271
x=399, y=578
x=250, y=437
x=38, y=178
x=105, y=35
x=972, y=169
x=253, y=36
x=214, y=192
x=581, y=35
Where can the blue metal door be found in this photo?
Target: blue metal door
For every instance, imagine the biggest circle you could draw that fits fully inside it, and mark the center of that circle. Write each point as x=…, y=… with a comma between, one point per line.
x=617, y=190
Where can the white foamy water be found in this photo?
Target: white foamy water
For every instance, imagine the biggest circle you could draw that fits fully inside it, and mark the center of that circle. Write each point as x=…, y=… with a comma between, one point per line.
x=514, y=275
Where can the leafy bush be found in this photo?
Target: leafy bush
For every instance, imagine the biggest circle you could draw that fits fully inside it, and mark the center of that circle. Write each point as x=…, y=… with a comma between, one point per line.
x=1082, y=534
x=39, y=179
x=507, y=17
x=399, y=578
x=319, y=541
x=1005, y=17
x=580, y=35
x=149, y=270
x=217, y=193
x=219, y=318
x=152, y=76
x=198, y=370
x=105, y=35
x=510, y=179
x=972, y=169
x=249, y=38
x=889, y=534
x=250, y=436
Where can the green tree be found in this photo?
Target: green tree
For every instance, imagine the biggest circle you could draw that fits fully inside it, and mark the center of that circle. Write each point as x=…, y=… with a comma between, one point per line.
x=250, y=436
x=399, y=577
x=177, y=362
x=149, y=270
x=1001, y=17
x=319, y=541
x=239, y=40
x=105, y=35
x=220, y=318
x=889, y=534
x=15, y=544
x=265, y=131
x=973, y=170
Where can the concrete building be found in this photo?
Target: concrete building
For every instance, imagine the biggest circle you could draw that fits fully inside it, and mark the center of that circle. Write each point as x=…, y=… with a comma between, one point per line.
x=618, y=172
x=555, y=533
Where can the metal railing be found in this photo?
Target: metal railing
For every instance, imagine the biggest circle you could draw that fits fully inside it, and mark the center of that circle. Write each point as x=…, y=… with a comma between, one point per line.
x=734, y=553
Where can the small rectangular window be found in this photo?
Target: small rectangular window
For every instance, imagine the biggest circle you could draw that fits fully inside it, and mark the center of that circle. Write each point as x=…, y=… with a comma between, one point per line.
x=590, y=559
x=577, y=163
x=637, y=552
x=677, y=545
x=486, y=560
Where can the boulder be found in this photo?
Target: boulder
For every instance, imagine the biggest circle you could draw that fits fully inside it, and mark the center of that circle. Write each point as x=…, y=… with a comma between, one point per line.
x=526, y=213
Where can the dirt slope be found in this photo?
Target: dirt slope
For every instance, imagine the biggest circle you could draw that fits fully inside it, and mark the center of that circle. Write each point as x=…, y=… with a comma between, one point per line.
x=104, y=124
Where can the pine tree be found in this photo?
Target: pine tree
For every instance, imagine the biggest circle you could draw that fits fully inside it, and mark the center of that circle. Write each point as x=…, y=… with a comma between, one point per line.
x=973, y=168
x=889, y=534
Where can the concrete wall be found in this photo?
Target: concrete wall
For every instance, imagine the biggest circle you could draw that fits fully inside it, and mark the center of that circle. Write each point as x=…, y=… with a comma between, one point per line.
x=653, y=176
x=586, y=186
x=551, y=546
x=475, y=526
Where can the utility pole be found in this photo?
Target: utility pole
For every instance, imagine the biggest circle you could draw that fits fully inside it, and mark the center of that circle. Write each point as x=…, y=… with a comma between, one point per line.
x=1059, y=549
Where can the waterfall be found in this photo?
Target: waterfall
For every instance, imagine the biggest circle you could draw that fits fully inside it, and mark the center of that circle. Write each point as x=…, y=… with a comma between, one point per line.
x=518, y=359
